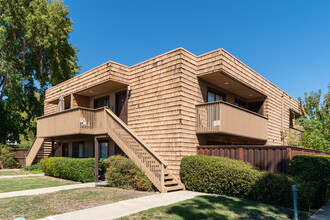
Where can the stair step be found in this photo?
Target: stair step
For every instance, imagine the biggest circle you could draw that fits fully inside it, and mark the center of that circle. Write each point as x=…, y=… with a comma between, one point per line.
x=168, y=178
x=173, y=188
x=171, y=182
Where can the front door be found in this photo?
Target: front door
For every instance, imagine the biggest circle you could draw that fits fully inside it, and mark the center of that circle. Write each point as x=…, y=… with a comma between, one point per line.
x=121, y=105
x=65, y=150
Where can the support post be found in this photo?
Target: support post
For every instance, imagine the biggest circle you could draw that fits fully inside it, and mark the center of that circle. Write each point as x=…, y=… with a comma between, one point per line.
x=96, y=156
x=71, y=101
x=53, y=149
x=162, y=177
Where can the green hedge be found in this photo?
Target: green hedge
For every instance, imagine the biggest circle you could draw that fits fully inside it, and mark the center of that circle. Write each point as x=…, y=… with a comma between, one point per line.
x=122, y=172
x=76, y=169
x=314, y=169
x=235, y=178
x=218, y=175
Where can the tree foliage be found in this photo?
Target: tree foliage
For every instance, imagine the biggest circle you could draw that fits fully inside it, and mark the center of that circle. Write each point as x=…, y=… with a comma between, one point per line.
x=316, y=120
x=35, y=53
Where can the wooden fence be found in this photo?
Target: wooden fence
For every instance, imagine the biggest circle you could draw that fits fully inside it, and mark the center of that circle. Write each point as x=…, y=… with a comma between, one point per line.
x=20, y=154
x=271, y=158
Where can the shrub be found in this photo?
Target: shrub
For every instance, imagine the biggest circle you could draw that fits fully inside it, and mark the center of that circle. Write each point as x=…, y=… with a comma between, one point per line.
x=310, y=168
x=34, y=168
x=7, y=158
x=122, y=172
x=218, y=175
x=235, y=178
x=276, y=189
x=314, y=169
x=76, y=169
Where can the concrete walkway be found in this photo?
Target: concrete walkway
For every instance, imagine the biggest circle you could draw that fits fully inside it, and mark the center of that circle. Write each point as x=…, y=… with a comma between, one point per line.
x=323, y=213
x=27, y=175
x=127, y=207
x=39, y=191
x=9, y=170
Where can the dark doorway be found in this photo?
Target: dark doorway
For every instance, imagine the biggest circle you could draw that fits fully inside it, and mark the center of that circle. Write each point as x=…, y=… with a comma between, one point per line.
x=65, y=150
x=101, y=102
x=256, y=107
x=103, y=149
x=121, y=105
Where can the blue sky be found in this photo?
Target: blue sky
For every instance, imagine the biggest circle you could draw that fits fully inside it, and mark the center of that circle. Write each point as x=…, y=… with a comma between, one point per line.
x=287, y=42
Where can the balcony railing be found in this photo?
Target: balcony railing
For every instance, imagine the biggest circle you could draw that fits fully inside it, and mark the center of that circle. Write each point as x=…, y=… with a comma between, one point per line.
x=72, y=122
x=226, y=118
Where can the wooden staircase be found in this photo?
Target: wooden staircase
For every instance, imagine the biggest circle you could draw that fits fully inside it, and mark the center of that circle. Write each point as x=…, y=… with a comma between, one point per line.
x=144, y=157
x=46, y=149
x=171, y=183
x=106, y=122
x=40, y=148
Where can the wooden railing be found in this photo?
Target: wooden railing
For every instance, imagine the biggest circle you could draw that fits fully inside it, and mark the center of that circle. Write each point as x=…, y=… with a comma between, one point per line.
x=70, y=122
x=271, y=158
x=147, y=159
x=223, y=117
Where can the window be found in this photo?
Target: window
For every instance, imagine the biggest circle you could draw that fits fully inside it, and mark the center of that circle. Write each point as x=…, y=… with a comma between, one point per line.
x=240, y=103
x=103, y=149
x=213, y=96
x=101, y=102
x=293, y=123
x=78, y=150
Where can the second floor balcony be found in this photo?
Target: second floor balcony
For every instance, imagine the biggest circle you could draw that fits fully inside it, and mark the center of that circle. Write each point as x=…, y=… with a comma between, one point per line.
x=225, y=118
x=74, y=121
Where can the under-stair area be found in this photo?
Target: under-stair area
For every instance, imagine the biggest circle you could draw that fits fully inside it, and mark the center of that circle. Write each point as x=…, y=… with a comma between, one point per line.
x=41, y=148
x=104, y=122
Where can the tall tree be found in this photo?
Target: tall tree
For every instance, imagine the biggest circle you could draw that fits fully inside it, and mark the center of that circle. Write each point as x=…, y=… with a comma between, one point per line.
x=316, y=120
x=35, y=53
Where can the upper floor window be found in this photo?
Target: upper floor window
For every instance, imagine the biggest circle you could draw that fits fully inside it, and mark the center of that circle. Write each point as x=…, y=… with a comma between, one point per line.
x=293, y=123
x=240, y=103
x=101, y=102
x=213, y=96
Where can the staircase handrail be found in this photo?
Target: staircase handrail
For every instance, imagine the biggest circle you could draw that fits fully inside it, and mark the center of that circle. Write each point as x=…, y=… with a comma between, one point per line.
x=144, y=145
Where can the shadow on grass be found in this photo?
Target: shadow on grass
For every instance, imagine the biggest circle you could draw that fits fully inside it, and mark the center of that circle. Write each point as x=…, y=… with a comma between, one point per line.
x=222, y=207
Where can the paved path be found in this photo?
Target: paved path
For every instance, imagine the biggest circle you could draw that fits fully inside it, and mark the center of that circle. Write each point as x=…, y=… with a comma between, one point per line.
x=9, y=170
x=32, y=192
x=127, y=207
x=27, y=175
x=323, y=213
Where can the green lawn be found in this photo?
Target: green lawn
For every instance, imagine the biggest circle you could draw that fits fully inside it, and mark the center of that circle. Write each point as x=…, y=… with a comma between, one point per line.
x=24, y=183
x=12, y=172
x=220, y=207
x=40, y=206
